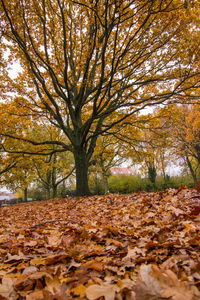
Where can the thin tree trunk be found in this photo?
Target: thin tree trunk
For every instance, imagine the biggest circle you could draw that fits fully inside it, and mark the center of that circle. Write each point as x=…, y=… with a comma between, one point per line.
x=96, y=184
x=105, y=183
x=163, y=172
x=53, y=177
x=104, y=175
x=26, y=194
x=191, y=170
x=81, y=164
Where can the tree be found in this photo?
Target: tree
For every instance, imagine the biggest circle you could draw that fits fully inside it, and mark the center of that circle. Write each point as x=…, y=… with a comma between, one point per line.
x=109, y=152
x=51, y=172
x=150, y=150
x=152, y=173
x=157, y=143
x=84, y=61
x=149, y=143
x=185, y=134
x=19, y=169
x=16, y=172
x=19, y=177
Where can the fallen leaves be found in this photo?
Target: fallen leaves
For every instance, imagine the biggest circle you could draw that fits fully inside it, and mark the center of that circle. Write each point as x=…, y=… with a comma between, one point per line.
x=161, y=284
x=135, y=247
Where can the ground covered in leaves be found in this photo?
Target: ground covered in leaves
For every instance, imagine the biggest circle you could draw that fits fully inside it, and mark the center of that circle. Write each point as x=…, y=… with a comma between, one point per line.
x=140, y=246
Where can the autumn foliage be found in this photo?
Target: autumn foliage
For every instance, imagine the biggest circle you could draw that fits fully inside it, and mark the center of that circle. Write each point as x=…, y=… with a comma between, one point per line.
x=141, y=246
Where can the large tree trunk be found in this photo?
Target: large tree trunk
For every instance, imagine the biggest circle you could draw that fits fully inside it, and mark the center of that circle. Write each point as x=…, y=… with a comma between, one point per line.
x=81, y=164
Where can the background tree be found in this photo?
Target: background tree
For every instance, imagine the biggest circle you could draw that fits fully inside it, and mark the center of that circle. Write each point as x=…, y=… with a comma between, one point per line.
x=157, y=145
x=19, y=177
x=185, y=135
x=109, y=152
x=149, y=143
x=83, y=62
x=20, y=167
x=53, y=171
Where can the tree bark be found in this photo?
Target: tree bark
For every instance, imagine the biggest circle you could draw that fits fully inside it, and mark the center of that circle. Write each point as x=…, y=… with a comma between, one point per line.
x=48, y=193
x=191, y=170
x=54, y=188
x=26, y=194
x=81, y=165
x=53, y=176
x=105, y=183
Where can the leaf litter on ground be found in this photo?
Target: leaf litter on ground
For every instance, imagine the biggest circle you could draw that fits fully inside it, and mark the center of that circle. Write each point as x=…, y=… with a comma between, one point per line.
x=141, y=246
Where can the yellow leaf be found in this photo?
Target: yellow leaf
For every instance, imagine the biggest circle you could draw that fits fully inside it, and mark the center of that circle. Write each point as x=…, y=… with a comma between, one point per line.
x=79, y=290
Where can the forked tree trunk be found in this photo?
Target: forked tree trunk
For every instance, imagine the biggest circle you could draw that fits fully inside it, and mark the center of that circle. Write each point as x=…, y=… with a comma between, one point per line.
x=81, y=164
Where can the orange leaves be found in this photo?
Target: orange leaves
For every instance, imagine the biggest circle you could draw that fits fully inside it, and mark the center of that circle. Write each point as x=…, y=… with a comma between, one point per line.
x=83, y=63
x=141, y=247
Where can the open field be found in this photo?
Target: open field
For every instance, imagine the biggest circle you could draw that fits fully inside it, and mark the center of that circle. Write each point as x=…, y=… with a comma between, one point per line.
x=140, y=246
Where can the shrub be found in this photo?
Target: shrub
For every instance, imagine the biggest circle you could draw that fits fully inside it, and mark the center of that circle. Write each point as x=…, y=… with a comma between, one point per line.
x=125, y=184
x=129, y=184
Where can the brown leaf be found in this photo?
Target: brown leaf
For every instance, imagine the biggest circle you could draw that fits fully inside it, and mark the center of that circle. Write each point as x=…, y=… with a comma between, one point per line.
x=105, y=290
x=67, y=240
x=37, y=295
x=114, y=242
x=155, y=283
x=31, y=244
x=95, y=265
x=53, y=285
x=15, y=258
x=49, y=260
x=54, y=239
x=30, y=270
x=7, y=288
